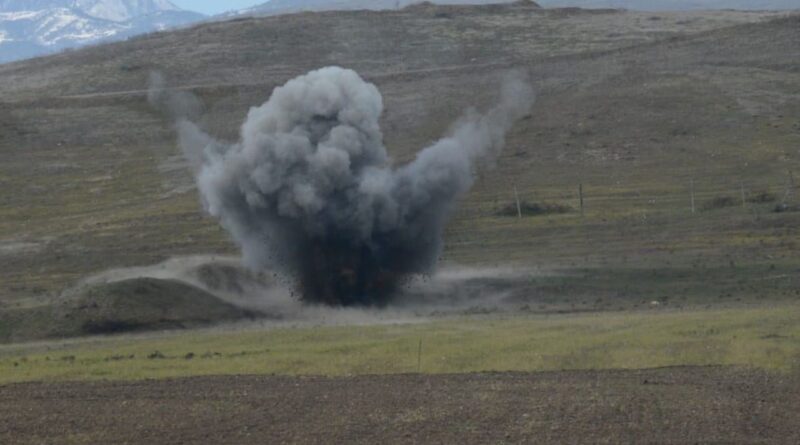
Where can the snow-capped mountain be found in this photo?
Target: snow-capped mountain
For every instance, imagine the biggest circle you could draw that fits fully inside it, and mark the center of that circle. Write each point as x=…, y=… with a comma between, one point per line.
x=123, y=10
x=30, y=28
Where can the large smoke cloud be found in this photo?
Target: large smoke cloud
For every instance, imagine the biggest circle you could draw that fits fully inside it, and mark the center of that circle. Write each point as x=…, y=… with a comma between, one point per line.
x=310, y=189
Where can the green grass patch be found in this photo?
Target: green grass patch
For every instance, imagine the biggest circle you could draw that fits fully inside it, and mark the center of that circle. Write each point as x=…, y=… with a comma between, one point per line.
x=765, y=337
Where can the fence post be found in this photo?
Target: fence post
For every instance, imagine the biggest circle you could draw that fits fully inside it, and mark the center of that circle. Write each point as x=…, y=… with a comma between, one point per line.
x=419, y=357
x=744, y=201
x=580, y=193
x=789, y=189
x=692, y=193
x=519, y=206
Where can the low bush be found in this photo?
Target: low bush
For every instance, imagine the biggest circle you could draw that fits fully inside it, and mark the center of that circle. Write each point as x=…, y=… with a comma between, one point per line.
x=761, y=198
x=782, y=208
x=533, y=209
x=720, y=202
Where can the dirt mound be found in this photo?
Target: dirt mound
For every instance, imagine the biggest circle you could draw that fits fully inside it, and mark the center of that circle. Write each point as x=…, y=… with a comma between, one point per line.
x=231, y=279
x=142, y=304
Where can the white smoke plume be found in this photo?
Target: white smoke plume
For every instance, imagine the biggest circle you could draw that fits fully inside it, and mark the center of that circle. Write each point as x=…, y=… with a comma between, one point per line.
x=309, y=189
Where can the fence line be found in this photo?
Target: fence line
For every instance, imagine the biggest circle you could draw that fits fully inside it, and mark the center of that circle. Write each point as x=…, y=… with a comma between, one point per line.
x=693, y=197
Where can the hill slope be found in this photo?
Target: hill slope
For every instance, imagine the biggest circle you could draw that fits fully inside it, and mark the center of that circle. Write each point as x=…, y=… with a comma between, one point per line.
x=677, y=5
x=645, y=110
x=277, y=7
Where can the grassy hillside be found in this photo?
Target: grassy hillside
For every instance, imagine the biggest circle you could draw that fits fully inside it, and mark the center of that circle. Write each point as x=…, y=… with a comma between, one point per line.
x=756, y=337
x=640, y=108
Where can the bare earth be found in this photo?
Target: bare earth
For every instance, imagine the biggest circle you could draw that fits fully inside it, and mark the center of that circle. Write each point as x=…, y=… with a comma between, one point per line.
x=673, y=405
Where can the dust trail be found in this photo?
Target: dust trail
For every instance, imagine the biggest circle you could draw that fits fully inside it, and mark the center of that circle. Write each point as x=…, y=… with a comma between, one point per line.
x=309, y=188
x=451, y=291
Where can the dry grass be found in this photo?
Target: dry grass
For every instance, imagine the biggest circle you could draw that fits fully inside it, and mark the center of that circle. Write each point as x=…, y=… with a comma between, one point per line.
x=763, y=337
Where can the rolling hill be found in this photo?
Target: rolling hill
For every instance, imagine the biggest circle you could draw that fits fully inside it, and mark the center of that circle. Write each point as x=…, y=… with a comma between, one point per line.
x=652, y=113
x=677, y=5
x=278, y=7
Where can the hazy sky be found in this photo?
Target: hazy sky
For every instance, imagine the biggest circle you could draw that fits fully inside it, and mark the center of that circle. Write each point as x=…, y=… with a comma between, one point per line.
x=215, y=6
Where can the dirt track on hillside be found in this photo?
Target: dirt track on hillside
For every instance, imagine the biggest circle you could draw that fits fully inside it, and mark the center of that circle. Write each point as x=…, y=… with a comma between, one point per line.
x=675, y=405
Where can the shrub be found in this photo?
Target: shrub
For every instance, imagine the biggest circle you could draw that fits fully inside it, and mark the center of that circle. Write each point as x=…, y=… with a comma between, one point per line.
x=719, y=202
x=533, y=209
x=781, y=208
x=762, y=197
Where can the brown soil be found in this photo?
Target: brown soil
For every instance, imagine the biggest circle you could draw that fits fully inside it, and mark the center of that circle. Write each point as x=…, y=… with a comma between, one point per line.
x=675, y=405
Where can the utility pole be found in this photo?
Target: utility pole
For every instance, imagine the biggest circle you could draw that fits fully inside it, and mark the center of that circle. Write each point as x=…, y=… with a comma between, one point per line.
x=580, y=193
x=519, y=206
x=692, y=192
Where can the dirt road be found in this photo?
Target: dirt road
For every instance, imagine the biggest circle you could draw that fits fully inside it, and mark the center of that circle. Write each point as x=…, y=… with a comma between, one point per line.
x=676, y=405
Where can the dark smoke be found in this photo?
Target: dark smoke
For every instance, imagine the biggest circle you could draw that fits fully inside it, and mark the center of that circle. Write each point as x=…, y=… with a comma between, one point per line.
x=309, y=189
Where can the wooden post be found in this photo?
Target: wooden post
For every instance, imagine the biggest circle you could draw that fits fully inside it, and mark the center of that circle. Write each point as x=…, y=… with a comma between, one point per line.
x=789, y=189
x=744, y=200
x=580, y=193
x=419, y=357
x=519, y=206
x=692, y=192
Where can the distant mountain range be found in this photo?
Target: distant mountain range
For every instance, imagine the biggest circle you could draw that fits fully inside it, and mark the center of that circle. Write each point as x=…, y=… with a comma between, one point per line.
x=30, y=28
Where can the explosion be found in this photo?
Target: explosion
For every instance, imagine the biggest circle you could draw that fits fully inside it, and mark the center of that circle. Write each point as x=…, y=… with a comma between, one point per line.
x=310, y=190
